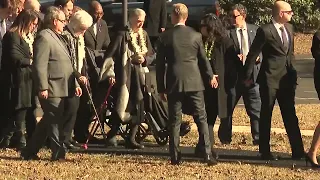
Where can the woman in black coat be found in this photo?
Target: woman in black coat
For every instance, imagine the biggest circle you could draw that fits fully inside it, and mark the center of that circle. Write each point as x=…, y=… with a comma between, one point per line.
x=16, y=66
x=315, y=145
x=222, y=56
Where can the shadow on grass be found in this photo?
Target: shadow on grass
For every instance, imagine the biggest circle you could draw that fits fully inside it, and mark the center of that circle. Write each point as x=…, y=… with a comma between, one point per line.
x=225, y=155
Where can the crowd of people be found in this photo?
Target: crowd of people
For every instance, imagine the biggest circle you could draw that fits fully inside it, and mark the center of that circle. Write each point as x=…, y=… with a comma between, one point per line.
x=53, y=62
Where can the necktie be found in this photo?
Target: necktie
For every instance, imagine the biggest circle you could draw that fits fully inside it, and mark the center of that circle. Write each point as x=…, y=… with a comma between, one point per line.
x=285, y=41
x=244, y=46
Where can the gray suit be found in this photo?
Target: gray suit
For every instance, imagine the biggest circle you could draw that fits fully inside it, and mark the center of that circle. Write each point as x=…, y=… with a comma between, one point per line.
x=53, y=71
x=251, y=95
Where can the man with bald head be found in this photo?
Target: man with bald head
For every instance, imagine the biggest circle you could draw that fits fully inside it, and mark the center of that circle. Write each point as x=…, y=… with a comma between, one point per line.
x=97, y=36
x=277, y=78
x=32, y=4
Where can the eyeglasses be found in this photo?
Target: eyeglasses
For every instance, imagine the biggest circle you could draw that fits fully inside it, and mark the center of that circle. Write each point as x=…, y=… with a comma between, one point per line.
x=63, y=21
x=287, y=12
x=235, y=16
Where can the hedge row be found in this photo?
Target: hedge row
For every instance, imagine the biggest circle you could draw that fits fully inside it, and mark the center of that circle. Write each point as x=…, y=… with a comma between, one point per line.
x=306, y=16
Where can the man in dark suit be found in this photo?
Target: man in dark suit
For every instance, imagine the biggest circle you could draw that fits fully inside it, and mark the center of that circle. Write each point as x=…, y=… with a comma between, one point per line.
x=242, y=34
x=156, y=18
x=97, y=36
x=277, y=78
x=55, y=81
x=181, y=48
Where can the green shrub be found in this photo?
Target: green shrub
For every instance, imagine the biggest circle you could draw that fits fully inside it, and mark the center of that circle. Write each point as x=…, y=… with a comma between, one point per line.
x=306, y=16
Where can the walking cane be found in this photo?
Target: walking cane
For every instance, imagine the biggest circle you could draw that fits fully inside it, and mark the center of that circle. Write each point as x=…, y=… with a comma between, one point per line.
x=97, y=122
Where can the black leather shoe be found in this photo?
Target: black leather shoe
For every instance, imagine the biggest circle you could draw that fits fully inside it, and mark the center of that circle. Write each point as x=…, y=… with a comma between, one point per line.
x=255, y=142
x=112, y=142
x=4, y=143
x=210, y=160
x=70, y=146
x=27, y=157
x=225, y=142
x=268, y=156
x=133, y=145
x=199, y=153
x=61, y=156
x=176, y=160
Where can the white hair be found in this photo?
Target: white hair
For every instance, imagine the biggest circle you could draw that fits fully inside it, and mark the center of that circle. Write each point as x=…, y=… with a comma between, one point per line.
x=80, y=20
x=137, y=13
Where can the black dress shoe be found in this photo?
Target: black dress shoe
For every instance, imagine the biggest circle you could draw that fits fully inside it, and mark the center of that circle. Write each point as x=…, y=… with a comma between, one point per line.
x=255, y=142
x=199, y=153
x=112, y=142
x=225, y=142
x=59, y=156
x=176, y=160
x=210, y=160
x=70, y=146
x=26, y=156
x=268, y=156
x=133, y=145
x=4, y=143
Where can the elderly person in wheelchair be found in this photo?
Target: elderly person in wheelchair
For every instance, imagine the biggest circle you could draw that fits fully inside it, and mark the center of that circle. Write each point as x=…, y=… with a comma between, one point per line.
x=129, y=50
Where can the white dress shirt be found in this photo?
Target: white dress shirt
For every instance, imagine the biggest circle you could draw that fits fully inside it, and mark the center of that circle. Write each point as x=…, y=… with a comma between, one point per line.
x=95, y=29
x=245, y=45
x=278, y=26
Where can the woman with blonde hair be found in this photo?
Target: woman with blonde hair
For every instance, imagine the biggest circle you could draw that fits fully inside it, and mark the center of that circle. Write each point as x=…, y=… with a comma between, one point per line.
x=17, y=55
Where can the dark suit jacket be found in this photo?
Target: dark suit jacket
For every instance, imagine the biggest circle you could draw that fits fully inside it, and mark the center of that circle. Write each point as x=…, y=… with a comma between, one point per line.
x=99, y=42
x=156, y=16
x=16, y=58
x=252, y=30
x=181, y=48
x=276, y=67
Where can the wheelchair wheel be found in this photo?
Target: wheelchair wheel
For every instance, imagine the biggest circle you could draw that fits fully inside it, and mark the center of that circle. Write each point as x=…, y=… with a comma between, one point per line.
x=162, y=137
x=142, y=133
x=162, y=140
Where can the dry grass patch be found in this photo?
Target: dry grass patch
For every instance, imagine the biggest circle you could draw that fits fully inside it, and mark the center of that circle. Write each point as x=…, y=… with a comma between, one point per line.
x=308, y=115
x=302, y=43
x=108, y=166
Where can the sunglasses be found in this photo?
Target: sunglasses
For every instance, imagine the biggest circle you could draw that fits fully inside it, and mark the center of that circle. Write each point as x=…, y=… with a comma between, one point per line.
x=287, y=12
x=235, y=16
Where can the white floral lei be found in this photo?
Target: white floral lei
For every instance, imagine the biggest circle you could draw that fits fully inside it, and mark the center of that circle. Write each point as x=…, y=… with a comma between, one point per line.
x=29, y=40
x=141, y=47
x=208, y=50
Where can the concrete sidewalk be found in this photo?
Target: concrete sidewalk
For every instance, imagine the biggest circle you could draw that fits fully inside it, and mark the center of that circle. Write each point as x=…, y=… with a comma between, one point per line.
x=247, y=129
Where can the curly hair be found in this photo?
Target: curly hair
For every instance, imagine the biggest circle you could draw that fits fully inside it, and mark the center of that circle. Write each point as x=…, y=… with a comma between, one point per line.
x=215, y=28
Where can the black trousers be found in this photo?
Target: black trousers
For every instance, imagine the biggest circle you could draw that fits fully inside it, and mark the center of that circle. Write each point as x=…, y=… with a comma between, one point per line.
x=17, y=126
x=285, y=96
x=83, y=120
x=50, y=126
x=196, y=103
x=70, y=116
x=252, y=102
